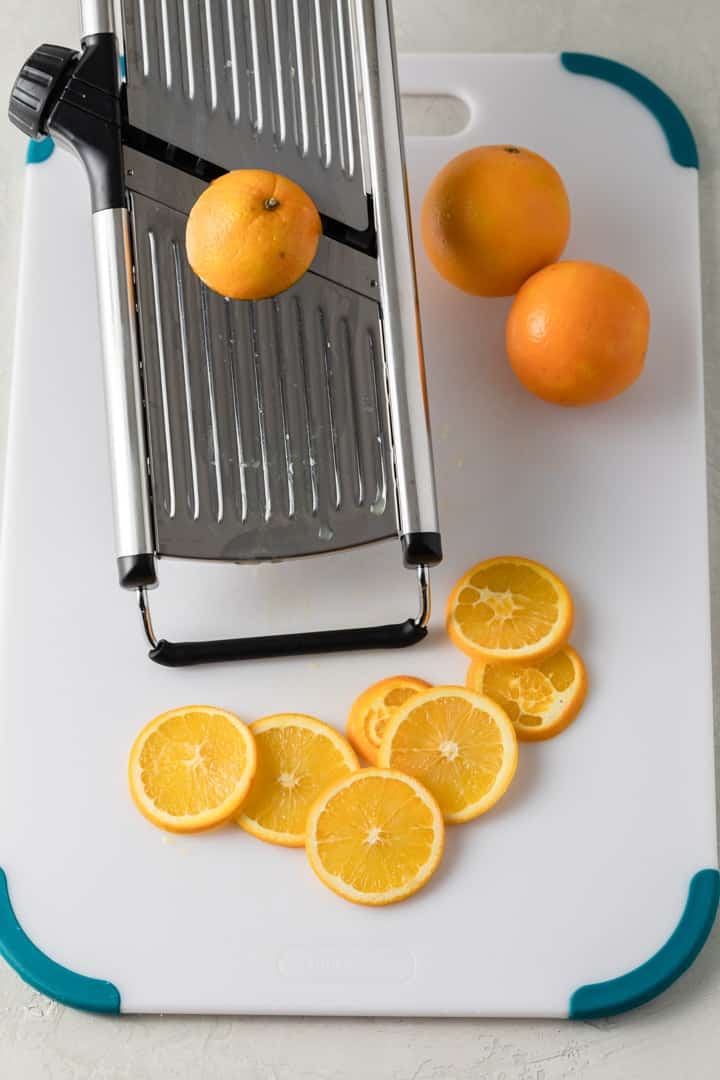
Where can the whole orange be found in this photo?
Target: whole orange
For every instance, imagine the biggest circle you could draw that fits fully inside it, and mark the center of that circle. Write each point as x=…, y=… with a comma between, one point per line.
x=252, y=234
x=577, y=333
x=492, y=217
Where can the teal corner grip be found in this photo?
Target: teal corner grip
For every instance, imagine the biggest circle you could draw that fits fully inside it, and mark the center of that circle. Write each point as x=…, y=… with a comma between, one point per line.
x=32, y=965
x=39, y=150
x=661, y=970
x=678, y=133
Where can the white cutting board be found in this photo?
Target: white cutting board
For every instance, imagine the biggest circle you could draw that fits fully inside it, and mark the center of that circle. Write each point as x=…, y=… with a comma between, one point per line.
x=582, y=872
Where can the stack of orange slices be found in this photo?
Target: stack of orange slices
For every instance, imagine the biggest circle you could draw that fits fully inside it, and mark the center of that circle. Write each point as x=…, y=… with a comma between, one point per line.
x=513, y=617
x=374, y=836
x=438, y=754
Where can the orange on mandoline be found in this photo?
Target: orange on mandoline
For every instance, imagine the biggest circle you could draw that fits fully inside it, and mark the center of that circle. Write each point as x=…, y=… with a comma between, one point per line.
x=252, y=234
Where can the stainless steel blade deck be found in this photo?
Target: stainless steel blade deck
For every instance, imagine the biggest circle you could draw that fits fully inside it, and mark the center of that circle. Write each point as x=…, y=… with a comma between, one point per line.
x=297, y=425
x=268, y=423
x=253, y=83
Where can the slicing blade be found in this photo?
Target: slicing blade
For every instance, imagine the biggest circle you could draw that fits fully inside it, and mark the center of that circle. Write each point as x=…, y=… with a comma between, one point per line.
x=267, y=84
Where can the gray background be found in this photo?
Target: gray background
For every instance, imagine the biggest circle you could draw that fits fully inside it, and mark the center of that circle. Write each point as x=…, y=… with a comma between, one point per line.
x=677, y=44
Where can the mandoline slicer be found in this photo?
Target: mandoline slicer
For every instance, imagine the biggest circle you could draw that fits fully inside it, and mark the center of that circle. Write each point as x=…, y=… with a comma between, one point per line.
x=249, y=431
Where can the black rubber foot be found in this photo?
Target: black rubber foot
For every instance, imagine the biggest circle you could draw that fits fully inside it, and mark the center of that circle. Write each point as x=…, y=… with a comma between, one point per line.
x=422, y=549
x=137, y=571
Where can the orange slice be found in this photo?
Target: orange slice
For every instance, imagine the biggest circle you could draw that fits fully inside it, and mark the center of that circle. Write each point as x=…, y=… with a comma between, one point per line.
x=458, y=743
x=373, y=709
x=298, y=757
x=541, y=697
x=509, y=609
x=375, y=837
x=191, y=768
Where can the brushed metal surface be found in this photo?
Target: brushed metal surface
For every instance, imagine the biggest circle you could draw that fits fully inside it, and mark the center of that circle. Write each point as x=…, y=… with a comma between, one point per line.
x=417, y=504
x=268, y=422
x=253, y=83
x=96, y=17
x=123, y=390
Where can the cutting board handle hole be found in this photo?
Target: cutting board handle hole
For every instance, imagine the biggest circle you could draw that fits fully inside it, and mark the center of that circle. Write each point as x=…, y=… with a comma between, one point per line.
x=434, y=114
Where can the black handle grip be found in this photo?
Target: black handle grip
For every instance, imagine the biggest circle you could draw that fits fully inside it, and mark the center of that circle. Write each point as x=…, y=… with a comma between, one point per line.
x=189, y=653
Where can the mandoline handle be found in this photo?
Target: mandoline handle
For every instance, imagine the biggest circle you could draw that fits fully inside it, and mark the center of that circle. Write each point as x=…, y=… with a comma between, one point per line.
x=188, y=653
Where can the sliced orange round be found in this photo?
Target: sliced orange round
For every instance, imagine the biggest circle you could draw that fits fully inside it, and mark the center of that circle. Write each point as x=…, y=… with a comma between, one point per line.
x=509, y=609
x=375, y=837
x=541, y=697
x=191, y=768
x=373, y=709
x=298, y=757
x=458, y=743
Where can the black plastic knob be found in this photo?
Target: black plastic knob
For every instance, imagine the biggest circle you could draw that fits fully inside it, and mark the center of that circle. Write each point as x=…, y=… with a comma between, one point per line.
x=38, y=87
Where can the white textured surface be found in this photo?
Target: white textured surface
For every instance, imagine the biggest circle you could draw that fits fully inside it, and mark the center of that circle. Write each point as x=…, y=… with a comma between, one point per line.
x=567, y=487
x=675, y=48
